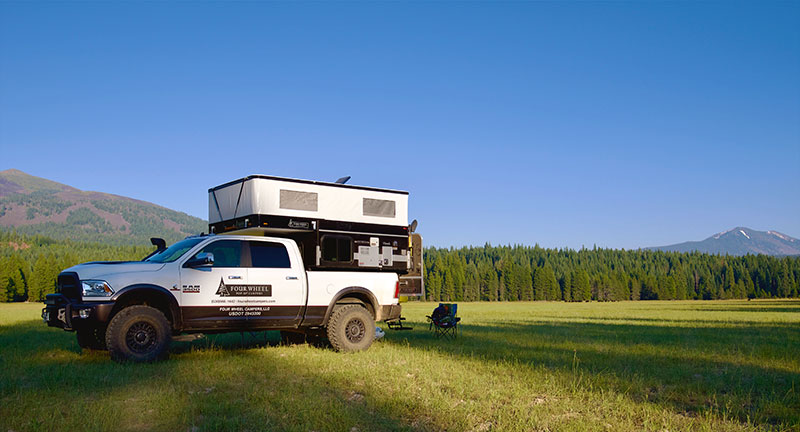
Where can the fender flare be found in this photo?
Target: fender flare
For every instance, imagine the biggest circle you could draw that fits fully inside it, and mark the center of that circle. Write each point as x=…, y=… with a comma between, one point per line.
x=359, y=291
x=149, y=290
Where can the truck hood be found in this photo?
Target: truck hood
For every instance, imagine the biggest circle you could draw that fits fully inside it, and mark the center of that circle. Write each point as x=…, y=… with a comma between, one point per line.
x=104, y=269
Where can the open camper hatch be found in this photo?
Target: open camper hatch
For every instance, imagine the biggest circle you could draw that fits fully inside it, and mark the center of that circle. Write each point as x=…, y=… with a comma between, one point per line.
x=336, y=226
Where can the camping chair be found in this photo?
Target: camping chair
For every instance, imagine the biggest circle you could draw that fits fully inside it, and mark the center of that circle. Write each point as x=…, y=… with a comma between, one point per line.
x=443, y=321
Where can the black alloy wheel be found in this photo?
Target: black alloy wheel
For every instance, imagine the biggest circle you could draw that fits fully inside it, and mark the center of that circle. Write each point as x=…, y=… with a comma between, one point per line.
x=141, y=337
x=355, y=330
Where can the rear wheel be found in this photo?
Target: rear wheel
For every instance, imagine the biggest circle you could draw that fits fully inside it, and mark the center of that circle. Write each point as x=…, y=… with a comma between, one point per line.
x=92, y=338
x=351, y=328
x=139, y=334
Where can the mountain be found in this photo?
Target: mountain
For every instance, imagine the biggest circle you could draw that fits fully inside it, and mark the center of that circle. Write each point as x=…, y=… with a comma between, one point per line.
x=33, y=205
x=740, y=241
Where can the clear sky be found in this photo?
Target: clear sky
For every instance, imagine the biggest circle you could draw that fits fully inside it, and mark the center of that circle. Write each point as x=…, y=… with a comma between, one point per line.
x=621, y=124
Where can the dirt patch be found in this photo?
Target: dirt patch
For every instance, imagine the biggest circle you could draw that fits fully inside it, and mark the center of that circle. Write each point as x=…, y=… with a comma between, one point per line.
x=19, y=246
x=172, y=225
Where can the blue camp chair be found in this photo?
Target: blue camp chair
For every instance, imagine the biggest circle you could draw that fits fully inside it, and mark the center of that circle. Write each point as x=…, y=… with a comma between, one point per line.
x=443, y=321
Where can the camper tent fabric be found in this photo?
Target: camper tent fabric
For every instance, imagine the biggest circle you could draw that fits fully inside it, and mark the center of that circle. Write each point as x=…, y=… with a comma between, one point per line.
x=297, y=198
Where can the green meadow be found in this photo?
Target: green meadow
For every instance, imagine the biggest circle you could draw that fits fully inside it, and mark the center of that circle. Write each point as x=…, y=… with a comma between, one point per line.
x=522, y=366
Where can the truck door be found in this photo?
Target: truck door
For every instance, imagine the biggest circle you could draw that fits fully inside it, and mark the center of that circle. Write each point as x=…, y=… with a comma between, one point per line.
x=207, y=299
x=281, y=275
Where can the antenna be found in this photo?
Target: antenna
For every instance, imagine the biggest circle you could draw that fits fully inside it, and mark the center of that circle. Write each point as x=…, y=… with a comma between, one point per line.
x=343, y=180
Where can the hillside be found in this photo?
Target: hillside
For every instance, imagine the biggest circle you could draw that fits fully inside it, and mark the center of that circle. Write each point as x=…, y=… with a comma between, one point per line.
x=37, y=206
x=740, y=241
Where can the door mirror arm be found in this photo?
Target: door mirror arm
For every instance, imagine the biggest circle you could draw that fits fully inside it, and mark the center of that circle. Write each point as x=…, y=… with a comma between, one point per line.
x=202, y=259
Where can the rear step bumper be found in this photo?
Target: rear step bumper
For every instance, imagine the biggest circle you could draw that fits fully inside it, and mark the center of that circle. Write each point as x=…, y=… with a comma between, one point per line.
x=390, y=312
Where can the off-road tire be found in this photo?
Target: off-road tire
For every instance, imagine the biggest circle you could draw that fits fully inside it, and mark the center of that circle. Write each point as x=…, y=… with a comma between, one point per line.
x=139, y=334
x=351, y=328
x=92, y=338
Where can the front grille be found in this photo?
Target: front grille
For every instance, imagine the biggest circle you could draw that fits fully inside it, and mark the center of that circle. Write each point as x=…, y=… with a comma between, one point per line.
x=69, y=285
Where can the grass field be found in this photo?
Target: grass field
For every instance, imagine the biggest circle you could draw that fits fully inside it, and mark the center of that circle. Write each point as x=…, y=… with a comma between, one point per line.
x=723, y=365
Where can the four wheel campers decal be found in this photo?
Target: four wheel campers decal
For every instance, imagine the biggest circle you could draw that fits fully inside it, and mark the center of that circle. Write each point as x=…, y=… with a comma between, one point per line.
x=244, y=311
x=243, y=290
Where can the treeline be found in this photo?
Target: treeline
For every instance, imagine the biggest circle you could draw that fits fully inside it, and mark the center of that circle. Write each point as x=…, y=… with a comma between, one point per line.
x=511, y=273
x=29, y=265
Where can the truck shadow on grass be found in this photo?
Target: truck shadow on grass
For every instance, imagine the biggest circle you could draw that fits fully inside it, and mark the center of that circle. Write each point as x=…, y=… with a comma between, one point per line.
x=47, y=383
x=748, y=373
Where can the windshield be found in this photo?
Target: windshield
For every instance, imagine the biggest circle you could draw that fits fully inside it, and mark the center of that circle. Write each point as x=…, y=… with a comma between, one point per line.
x=175, y=251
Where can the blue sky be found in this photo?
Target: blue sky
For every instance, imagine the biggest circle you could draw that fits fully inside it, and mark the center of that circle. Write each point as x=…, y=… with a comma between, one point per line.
x=619, y=124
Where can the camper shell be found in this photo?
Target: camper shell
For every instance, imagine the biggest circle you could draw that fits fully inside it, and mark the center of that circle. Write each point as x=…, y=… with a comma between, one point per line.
x=337, y=226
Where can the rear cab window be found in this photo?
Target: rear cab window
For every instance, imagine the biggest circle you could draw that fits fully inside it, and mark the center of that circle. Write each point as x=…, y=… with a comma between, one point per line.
x=269, y=255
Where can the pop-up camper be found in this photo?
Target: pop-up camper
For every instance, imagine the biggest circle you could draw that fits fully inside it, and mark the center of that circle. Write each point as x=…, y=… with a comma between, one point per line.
x=336, y=226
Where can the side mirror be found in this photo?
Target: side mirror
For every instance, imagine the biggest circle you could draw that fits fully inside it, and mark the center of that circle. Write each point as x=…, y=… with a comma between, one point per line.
x=202, y=259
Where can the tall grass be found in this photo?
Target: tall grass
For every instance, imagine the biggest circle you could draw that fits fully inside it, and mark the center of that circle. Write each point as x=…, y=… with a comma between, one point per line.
x=723, y=365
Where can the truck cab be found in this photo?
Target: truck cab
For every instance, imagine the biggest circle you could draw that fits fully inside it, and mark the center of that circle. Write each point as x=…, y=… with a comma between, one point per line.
x=210, y=284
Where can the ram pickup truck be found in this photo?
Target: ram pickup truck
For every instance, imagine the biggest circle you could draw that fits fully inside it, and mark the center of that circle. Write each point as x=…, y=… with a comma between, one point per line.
x=218, y=283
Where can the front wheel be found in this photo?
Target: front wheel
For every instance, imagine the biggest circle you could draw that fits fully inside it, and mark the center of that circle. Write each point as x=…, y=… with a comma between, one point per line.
x=139, y=334
x=351, y=328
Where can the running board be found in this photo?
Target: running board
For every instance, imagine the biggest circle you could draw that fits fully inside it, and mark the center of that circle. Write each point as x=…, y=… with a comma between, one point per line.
x=188, y=337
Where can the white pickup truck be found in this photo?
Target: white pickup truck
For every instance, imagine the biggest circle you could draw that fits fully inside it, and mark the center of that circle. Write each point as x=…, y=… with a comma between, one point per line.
x=218, y=283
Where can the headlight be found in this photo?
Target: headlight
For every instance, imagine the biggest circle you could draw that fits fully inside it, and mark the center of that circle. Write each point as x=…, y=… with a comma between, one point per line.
x=96, y=288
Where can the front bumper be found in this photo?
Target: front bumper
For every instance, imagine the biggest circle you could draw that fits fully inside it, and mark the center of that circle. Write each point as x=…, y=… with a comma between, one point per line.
x=62, y=312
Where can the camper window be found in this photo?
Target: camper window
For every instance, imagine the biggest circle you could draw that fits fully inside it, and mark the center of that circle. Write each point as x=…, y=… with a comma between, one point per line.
x=297, y=200
x=378, y=207
x=337, y=249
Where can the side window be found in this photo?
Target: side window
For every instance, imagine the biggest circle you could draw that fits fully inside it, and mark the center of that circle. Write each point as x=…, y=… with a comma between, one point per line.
x=337, y=249
x=269, y=255
x=297, y=200
x=227, y=253
x=378, y=207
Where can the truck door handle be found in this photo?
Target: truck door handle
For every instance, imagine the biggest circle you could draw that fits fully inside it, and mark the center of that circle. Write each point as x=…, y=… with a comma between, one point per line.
x=291, y=277
x=234, y=277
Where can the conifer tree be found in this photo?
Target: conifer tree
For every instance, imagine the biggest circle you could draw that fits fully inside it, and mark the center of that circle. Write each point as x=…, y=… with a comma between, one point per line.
x=525, y=281
x=582, y=289
x=566, y=287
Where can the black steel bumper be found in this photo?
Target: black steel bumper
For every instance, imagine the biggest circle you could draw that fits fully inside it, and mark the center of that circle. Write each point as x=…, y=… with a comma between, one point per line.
x=61, y=312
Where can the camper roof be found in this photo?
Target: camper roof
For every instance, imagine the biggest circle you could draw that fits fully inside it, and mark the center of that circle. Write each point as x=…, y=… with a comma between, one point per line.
x=314, y=182
x=286, y=197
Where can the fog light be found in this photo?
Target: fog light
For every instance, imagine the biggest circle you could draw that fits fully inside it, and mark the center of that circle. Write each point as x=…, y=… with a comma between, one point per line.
x=84, y=313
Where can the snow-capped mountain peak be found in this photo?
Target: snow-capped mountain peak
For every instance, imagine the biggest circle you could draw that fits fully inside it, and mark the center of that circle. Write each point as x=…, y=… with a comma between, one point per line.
x=740, y=241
